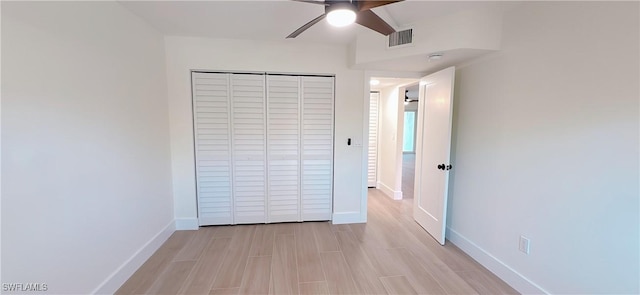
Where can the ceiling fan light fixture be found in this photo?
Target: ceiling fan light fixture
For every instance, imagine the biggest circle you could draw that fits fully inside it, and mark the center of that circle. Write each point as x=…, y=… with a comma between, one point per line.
x=341, y=15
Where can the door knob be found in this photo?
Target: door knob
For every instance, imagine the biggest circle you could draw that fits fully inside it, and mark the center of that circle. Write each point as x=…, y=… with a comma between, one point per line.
x=441, y=167
x=449, y=167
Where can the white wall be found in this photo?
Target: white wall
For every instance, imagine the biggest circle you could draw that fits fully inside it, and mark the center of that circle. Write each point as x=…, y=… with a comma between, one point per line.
x=390, y=141
x=187, y=53
x=547, y=147
x=85, y=160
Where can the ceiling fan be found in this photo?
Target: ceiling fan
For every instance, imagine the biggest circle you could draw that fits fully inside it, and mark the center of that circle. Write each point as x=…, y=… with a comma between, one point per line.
x=344, y=12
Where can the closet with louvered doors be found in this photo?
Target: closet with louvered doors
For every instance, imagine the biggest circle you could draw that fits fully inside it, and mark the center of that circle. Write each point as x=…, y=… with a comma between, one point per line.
x=264, y=147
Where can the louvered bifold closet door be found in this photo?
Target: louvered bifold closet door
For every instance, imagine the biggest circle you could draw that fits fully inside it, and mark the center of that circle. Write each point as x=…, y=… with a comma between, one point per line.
x=283, y=133
x=317, y=148
x=249, y=148
x=213, y=148
x=372, y=159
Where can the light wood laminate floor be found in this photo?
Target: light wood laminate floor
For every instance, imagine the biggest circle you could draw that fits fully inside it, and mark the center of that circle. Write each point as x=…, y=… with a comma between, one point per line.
x=390, y=254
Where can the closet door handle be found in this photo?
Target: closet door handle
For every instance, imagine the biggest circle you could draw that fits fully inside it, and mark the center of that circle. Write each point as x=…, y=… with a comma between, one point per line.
x=441, y=167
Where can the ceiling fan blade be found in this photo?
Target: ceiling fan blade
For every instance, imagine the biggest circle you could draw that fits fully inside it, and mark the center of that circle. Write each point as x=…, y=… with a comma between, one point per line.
x=372, y=21
x=306, y=26
x=312, y=2
x=366, y=5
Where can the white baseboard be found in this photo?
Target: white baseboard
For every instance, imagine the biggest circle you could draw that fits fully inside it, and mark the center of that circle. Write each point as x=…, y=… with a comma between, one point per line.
x=347, y=217
x=499, y=268
x=187, y=223
x=396, y=195
x=122, y=274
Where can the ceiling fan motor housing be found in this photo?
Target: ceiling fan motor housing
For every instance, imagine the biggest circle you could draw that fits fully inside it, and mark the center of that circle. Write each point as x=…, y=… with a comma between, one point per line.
x=339, y=5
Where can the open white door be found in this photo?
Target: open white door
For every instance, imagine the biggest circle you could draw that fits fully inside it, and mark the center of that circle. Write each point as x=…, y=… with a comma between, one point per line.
x=433, y=145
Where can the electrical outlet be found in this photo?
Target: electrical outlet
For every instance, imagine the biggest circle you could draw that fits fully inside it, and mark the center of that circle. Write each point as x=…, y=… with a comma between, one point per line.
x=524, y=245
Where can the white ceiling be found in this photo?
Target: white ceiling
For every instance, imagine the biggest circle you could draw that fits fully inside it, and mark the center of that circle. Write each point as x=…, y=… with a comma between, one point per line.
x=275, y=19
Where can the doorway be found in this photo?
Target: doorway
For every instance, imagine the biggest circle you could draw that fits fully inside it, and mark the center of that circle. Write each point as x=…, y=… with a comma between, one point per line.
x=409, y=133
x=409, y=140
x=392, y=100
x=427, y=139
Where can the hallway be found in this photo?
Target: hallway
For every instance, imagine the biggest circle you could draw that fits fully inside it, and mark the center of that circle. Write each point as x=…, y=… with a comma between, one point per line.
x=408, y=174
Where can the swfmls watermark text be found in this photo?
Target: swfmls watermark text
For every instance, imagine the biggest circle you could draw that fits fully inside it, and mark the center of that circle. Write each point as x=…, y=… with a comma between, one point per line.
x=24, y=287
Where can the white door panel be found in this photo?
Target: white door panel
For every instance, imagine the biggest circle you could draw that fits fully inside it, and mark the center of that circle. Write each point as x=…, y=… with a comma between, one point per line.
x=283, y=132
x=212, y=131
x=249, y=156
x=433, y=145
x=317, y=148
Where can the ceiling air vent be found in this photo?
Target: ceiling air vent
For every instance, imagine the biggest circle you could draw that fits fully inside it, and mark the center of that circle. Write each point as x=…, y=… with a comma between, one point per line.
x=401, y=38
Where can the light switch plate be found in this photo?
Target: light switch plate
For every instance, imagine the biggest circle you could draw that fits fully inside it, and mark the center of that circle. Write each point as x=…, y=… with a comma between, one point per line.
x=524, y=245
